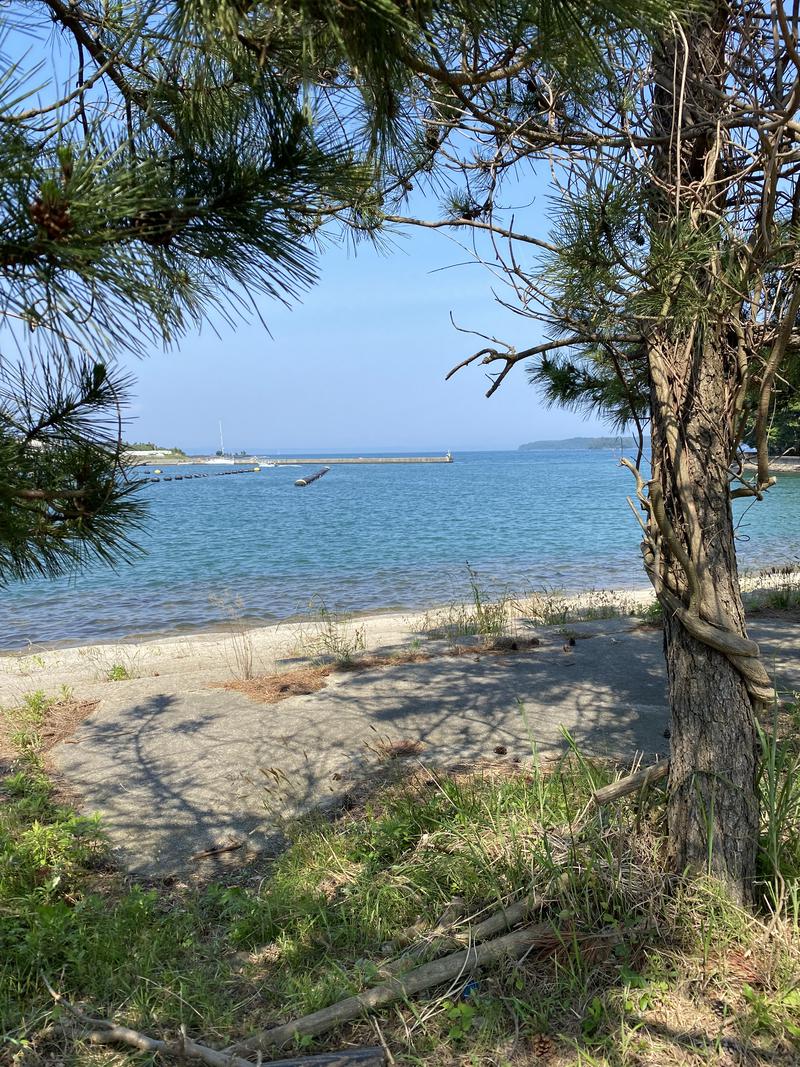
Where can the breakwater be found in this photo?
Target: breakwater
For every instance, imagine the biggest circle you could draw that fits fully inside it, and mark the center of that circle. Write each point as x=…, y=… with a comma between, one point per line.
x=290, y=462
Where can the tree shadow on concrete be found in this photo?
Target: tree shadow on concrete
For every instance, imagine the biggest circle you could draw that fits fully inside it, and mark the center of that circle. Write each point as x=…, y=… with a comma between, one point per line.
x=177, y=773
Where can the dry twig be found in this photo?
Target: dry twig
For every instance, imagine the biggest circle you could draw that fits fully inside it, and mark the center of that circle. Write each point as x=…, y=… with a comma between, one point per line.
x=632, y=783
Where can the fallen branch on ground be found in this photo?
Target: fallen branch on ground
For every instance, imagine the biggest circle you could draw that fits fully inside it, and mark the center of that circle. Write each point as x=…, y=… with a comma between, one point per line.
x=437, y=972
x=445, y=931
x=362, y=1057
x=217, y=850
x=632, y=783
x=373, y=1056
x=517, y=944
x=508, y=917
x=441, y=931
x=106, y=1032
x=448, y=968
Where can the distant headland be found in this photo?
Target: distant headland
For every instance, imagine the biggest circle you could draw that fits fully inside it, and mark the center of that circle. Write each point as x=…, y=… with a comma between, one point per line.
x=576, y=443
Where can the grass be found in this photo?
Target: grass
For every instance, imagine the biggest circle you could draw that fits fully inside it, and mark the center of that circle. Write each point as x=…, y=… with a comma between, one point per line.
x=781, y=598
x=780, y=775
x=328, y=636
x=117, y=665
x=239, y=645
x=548, y=607
x=40, y=721
x=652, y=614
x=477, y=615
x=26, y=720
x=679, y=975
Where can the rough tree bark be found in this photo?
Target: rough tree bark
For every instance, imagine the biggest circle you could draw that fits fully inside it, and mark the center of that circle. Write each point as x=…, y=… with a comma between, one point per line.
x=712, y=808
x=695, y=388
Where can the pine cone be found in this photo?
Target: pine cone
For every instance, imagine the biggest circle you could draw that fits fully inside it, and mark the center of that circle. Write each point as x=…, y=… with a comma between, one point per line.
x=542, y=1047
x=52, y=217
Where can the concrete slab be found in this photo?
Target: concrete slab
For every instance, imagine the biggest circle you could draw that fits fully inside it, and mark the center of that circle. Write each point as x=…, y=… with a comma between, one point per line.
x=174, y=767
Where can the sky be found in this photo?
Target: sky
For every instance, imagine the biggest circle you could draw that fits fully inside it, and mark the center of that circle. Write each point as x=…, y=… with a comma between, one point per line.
x=358, y=365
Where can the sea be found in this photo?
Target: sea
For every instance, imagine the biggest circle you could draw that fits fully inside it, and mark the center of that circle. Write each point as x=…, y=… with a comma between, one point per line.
x=368, y=538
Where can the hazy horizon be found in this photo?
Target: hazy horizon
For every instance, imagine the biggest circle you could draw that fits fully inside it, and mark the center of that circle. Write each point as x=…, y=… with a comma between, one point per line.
x=331, y=450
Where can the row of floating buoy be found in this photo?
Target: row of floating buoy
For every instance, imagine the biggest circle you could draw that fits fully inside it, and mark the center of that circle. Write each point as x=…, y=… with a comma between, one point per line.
x=221, y=474
x=210, y=474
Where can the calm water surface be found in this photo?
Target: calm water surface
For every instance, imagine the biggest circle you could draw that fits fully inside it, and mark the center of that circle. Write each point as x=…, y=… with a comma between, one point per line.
x=369, y=537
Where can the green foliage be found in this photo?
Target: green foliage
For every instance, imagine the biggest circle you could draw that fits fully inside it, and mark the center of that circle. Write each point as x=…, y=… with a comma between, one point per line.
x=652, y=613
x=784, y=428
x=65, y=495
x=461, y=1017
x=167, y=203
x=148, y=446
x=54, y=923
x=491, y=617
x=118, y=672
x=341, y=900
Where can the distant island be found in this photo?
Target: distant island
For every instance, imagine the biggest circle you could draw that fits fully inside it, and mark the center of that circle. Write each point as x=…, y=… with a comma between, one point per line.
x=595, y=443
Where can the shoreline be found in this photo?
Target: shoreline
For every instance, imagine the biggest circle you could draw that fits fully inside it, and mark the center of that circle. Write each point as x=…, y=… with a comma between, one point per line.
x=206, y=655
x=618, y=598
x=302, y=460
x=777, y=465
x=634, y=596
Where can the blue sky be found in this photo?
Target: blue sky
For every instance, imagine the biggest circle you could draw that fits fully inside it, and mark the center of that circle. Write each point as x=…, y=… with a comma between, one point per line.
x=358, y=365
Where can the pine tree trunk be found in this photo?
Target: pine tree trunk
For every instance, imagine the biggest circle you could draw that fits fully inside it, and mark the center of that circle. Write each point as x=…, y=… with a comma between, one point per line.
x=712, y=811
x=713, y=808
x=695, y=385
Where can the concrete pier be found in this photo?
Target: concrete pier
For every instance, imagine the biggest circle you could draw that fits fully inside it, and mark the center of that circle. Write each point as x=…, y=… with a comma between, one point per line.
x=288, y=461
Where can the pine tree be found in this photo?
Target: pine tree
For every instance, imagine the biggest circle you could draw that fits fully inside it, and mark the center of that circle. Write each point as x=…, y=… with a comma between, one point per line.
x=669, y=293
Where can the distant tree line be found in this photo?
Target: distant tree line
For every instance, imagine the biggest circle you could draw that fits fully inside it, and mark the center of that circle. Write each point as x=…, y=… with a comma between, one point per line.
x=148, y=446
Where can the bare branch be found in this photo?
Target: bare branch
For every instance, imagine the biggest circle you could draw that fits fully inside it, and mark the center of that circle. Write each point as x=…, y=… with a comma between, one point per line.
x=475, y=224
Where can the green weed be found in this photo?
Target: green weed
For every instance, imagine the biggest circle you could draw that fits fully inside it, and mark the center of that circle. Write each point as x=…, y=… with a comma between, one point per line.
x=652, y=614
x=118, y=672
x=785, y=598
x=547, y=607
x=25, y=720
x=780, y=806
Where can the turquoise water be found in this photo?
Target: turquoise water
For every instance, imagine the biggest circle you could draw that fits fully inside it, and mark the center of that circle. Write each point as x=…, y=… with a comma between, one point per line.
x=369, y=537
